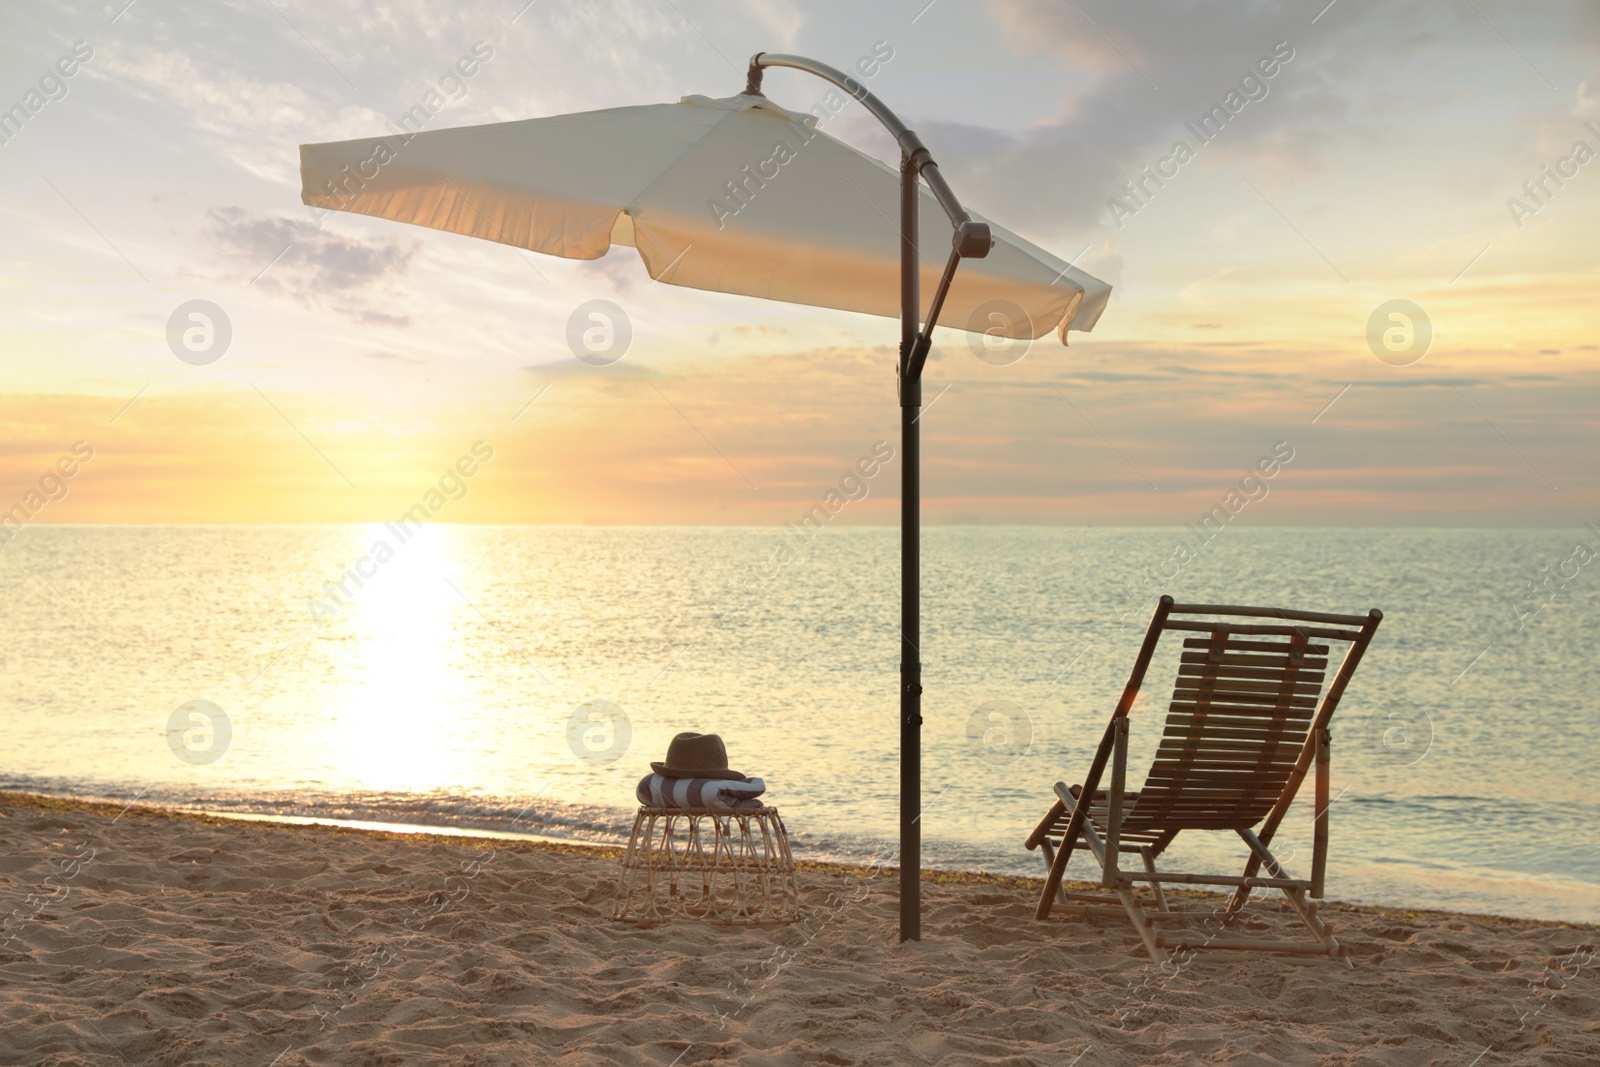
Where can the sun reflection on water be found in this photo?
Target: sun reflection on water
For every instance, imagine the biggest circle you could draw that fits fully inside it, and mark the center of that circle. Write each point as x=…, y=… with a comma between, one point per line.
x=394, y=727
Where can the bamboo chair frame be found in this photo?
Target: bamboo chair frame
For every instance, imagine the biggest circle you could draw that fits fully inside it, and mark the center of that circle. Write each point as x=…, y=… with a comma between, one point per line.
x=1247, y=694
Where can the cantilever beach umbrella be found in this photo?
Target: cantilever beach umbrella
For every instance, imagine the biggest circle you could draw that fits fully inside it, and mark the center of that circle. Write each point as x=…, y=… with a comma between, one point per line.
x=739, y=195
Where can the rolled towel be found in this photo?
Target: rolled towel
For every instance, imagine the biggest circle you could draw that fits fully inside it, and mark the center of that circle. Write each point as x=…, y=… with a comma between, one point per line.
x=700, y=794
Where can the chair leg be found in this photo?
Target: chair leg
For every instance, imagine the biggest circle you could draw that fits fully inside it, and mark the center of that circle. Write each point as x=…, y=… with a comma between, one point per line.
x=1306, y=909
x=1141, y=923
x=1049, y=862
x=1114, y=801
x=1053, y=891
x=1122, y=887
x=1241, y=895
x=1319, y=850
x=1155, y=886
x=1058, y=861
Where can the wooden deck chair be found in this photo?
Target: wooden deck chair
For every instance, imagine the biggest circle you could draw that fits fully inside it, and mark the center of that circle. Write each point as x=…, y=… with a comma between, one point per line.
x=1248, y=720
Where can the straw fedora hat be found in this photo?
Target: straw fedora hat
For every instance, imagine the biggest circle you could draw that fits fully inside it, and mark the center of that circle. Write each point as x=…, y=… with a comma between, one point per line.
x=692, y=755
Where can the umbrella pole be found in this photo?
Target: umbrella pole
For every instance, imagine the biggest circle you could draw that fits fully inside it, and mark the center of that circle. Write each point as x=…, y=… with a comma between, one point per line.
x=970, y=240
x=910, y=566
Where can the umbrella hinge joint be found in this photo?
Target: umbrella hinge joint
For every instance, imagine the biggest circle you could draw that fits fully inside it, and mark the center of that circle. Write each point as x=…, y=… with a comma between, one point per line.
x=910, y=392
x=913, y=356
x=752, y=81
x=919, y=353
x=914, y=154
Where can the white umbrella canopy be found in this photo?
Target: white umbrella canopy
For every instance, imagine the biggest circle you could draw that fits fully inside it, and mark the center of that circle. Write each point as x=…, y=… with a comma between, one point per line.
x=733, y=195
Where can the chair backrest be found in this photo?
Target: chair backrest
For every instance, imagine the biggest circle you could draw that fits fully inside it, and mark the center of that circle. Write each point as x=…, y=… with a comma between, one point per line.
x=1249, y=695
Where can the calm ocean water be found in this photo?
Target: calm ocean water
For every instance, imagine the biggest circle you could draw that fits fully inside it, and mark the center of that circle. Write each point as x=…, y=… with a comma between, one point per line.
x=479, y=674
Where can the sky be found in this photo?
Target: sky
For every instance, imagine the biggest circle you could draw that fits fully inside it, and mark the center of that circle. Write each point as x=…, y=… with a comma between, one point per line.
x=1393, y=155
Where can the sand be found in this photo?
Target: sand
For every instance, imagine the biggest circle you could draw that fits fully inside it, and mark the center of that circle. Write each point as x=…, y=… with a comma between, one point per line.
x=171, y=939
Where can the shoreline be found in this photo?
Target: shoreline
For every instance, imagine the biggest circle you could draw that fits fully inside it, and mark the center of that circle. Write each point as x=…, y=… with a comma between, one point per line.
x=146, y=935
x=458, y=836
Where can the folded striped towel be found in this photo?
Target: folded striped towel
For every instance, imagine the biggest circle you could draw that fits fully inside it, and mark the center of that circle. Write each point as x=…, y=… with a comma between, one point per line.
x=700, y=794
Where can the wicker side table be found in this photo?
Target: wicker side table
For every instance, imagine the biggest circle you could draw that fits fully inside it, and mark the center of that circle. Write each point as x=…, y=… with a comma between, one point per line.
x=724, y=868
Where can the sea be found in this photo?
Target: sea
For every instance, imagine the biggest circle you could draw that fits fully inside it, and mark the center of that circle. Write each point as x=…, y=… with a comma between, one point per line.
x=520, y=680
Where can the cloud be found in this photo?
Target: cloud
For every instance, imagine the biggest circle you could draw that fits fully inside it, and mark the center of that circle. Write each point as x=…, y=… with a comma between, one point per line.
x=1063, y=30
x=1144, y=82
x=252, y=119
x=1588, y=97
x=379, y=318
x=1357, y=77
x=634, y=443
x=620, y=269
x=780, y=21
x=311, y=264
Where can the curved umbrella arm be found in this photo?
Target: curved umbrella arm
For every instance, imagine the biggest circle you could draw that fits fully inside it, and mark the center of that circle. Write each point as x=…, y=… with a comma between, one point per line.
x=969, y=240
x=972, y=239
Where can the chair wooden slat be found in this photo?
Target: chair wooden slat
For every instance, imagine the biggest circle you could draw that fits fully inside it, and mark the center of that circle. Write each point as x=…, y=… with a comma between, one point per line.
x=1269, y=757
x=1186, y=695
x=1263, y=753
x=1220, y=787
x=1210, y=749
x=1221, y=684
x=1234, y=733
x=1258, y=660
x=1264, y=748
x=1193, y=716
x=1264, y=674
x=1254, y=646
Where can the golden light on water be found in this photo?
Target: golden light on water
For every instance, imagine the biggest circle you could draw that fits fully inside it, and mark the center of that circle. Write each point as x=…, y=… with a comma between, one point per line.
x=394, y=725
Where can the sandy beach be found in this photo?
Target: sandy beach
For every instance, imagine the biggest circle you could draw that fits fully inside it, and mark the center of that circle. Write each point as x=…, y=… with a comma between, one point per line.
x=143, y=937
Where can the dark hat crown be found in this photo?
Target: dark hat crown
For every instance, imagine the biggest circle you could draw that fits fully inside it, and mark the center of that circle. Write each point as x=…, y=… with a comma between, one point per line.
x=696, y=755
